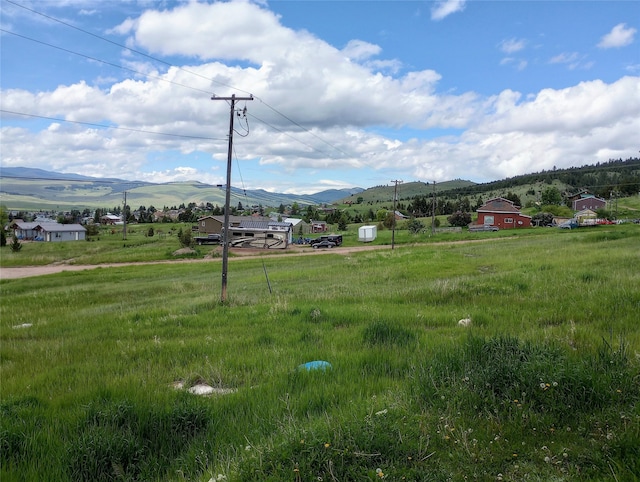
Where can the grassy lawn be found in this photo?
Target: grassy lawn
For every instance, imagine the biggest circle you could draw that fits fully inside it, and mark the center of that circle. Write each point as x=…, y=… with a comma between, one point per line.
x=543, y=385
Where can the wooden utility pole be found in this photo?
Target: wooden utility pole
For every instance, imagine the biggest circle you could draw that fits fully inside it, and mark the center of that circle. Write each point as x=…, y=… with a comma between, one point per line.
x=124, y=218
x=433, y=210
x=395, y=199
x=225, y=233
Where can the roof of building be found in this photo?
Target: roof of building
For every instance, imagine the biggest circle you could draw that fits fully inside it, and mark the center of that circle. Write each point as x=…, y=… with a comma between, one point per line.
x=264, y=225
x=50, y=227
x=499, y=205
x=234, y=219
x=61, y=228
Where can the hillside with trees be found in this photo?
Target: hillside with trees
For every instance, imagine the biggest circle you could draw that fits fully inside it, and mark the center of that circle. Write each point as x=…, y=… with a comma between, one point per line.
x=611, y=180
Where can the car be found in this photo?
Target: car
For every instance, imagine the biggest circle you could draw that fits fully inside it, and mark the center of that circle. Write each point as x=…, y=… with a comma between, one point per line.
x=482, y=227
x=324, y=244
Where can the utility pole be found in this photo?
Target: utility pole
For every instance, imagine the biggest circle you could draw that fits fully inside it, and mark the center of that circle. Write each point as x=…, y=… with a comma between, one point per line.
x=395, y=199
x=225, y=233
x=124, y=218
x=433, y=210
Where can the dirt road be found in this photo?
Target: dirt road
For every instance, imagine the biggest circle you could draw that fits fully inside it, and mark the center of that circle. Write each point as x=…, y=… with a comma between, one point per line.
x=239, y=253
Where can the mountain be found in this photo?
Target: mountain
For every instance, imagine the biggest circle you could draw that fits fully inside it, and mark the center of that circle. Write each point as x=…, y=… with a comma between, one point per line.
x=24, y=188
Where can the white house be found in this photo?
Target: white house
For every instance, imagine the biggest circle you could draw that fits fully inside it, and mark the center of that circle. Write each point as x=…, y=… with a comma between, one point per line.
x=48, y=231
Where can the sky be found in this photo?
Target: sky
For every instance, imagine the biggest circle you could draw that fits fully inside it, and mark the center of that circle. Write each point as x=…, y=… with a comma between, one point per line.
x=338, y=94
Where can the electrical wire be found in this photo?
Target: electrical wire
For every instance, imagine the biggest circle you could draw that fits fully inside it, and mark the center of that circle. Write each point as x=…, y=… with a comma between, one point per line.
x=156, y=77
x=92, y=124
x=54, y=19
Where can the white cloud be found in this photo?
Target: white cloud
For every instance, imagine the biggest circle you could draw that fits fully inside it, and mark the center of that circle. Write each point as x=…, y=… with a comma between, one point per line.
x=444, y=8
x=360, y=50
x=338, y=98
x=572, y=60
x=620, y=36
x=512, y=45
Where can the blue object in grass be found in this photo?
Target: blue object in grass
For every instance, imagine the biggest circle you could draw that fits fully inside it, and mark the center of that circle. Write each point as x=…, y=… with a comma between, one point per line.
x=315, y=365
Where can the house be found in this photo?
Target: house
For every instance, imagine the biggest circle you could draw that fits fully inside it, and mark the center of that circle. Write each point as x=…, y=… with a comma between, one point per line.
x=50, y=232
x=502, y=213
x=588, y=201
x=318, y=226
x=298, y=225
x=110, y=219
x=586, y=217
x=24, y=231
x=214, y=224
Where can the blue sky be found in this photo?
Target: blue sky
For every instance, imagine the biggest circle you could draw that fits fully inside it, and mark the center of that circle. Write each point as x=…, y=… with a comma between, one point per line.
x=346, y=93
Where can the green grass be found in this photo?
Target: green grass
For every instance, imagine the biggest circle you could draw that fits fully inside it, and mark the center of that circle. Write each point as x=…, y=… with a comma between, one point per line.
x=545, y=384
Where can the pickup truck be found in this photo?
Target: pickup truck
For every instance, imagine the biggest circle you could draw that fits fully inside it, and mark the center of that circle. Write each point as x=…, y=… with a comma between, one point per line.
x=482, y=227
x=208, y=239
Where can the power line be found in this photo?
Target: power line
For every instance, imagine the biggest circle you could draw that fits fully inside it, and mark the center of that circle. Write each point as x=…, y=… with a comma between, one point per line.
x=104, y=61
x=49, y=17
x=107, y=126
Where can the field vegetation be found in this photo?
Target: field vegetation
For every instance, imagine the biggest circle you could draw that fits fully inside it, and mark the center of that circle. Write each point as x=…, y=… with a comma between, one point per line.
x=543, y=384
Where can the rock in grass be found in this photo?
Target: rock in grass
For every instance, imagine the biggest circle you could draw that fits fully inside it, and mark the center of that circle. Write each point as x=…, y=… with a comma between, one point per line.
x=464, y=322
x=204, y=389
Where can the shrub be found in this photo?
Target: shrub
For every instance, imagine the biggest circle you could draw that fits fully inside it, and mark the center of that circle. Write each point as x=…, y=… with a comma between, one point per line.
x=460, y=219
x=15, y=245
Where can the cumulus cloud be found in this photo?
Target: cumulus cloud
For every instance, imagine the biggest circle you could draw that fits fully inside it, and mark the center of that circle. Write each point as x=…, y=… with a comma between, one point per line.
x=620, y=36
x=444, y=8
x=338, y=98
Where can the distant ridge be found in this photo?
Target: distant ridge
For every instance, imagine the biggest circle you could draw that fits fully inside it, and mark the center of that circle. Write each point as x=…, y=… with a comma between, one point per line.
x=24, y=188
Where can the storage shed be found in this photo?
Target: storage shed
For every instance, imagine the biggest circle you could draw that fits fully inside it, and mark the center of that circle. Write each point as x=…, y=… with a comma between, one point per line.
x=366, y=234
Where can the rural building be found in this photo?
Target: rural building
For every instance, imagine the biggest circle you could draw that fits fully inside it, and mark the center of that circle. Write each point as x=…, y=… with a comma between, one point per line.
x=111, y=219
x=214, y=224
x=318, y=227
x=297, y=225
x=502, y=213
x=588, y=201
x=586, y=217
x=50, y=232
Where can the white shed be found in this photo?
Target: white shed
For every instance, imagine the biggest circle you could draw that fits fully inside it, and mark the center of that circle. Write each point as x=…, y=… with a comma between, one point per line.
x=367, y=234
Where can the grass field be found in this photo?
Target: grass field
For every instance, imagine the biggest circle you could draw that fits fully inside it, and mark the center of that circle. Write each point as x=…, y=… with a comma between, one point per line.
x=543, y=385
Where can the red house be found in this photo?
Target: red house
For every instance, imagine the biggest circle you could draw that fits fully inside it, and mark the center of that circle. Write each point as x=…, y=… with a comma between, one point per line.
x=503, y=214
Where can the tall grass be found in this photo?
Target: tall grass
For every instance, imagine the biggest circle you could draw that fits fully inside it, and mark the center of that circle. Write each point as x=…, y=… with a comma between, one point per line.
x=544, y=384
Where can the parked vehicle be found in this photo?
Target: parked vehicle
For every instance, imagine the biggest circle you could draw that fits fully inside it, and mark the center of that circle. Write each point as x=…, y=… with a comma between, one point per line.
x=209, y=239
x=257, y=238
x=570, y=224
x=482, y=227
x=323, y=244
x=336, y=239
